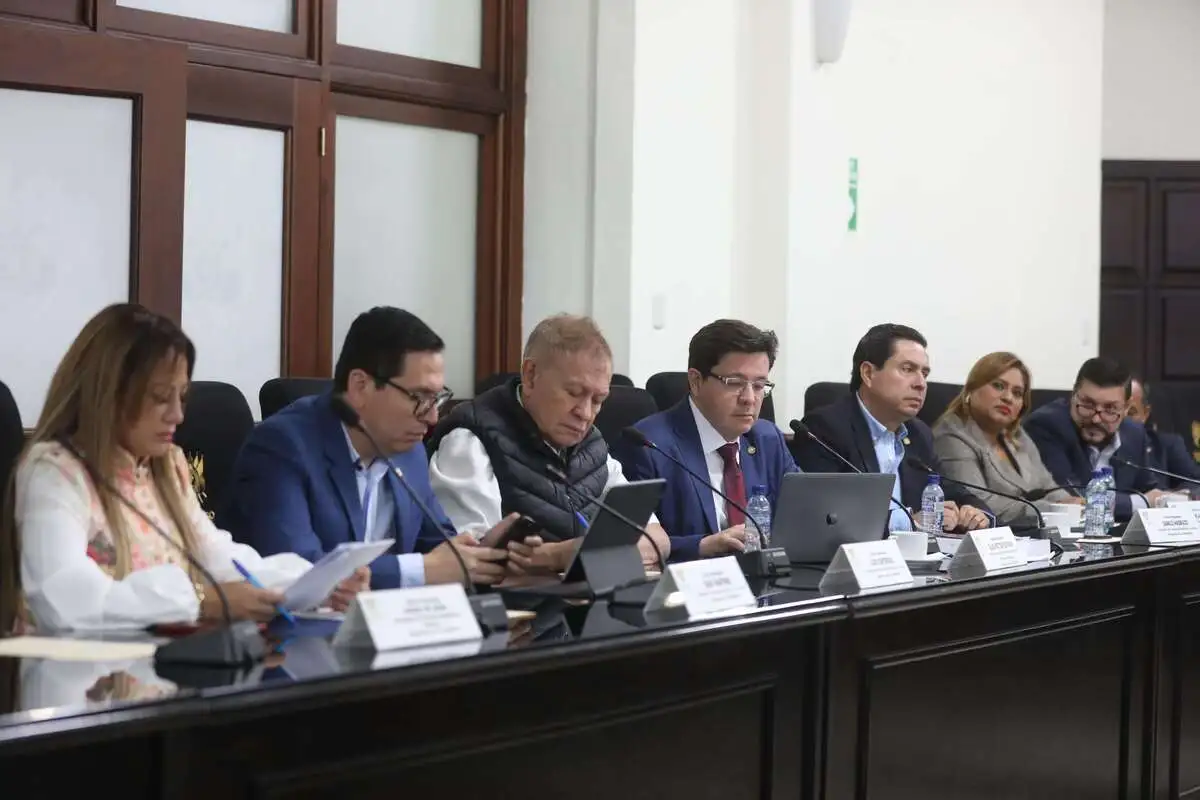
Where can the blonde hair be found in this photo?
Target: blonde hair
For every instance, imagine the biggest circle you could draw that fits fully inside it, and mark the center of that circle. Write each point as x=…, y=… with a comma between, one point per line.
x=97, y=390
x=986, y=370
x=566, y=334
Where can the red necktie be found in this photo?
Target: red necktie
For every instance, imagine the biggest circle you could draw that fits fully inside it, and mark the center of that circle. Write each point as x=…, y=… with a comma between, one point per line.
x=734, y=483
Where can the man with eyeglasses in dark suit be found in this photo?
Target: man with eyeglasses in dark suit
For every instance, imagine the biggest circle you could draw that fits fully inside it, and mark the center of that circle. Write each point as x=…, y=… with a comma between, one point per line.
x=1090, y=430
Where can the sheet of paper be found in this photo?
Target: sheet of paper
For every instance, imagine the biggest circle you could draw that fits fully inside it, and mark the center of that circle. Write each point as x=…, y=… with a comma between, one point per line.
x=314, y=587
x=60, y=649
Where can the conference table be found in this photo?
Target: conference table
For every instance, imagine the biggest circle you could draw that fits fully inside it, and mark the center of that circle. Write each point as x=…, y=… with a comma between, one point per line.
x=1073, y=678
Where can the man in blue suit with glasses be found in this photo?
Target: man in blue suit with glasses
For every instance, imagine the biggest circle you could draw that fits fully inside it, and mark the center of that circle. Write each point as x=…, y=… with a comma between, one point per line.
x=717, y=432
x=304, y=482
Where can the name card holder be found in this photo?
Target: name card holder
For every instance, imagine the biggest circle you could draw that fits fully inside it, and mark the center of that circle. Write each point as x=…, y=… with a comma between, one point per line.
x=987, y=551
x=861, y=566
x=1164, y=527
x=706, y=586
x=418, y=617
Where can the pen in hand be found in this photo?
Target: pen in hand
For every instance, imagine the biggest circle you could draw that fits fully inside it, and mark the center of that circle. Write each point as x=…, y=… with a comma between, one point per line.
x=253, y=581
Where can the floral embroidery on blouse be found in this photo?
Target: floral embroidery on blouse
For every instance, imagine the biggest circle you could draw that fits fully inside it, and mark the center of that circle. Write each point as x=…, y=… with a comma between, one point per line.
x=136, y=484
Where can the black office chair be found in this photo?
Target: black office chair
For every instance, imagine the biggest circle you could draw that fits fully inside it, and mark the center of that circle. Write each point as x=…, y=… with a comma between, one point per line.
x=12, y=439
x=819, y=395
x=217, y=422
x=279, y=393
x=625, y=406
x=492, y=381
x=620, y=380
x=1041, y=397
x=937, y=397
x=669, y=388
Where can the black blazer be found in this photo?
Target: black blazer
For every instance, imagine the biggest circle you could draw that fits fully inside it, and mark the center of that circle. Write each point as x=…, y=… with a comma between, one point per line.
x=844, y=428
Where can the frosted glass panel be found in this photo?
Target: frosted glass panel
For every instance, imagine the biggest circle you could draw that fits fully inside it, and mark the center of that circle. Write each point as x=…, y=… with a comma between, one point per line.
x=404, y=232
x=233, y=253
x=267, y=15
x=64, y=228
x=438, y=30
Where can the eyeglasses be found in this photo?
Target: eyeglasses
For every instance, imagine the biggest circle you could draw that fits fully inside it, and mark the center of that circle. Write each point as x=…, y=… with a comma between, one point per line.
x=1088, y=410
x=738, y=384
x=423, y=402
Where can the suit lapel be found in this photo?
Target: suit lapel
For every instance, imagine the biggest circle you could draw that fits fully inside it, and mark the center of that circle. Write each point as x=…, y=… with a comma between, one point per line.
x=688, y=450
x=751, y=467
x=341, y=469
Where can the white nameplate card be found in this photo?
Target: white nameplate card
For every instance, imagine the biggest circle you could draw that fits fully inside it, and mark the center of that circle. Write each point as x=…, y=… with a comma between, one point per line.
x=991, y=549
x=703, y=587
x=866, y=565
x=417, y=617
x=1164, y=526
x=1180, y=500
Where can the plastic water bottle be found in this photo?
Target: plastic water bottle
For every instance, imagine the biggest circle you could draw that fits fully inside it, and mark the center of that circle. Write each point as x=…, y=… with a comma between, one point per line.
x=1110, y=501
x=760, y=511
x=933, y=506
x=1096, y=509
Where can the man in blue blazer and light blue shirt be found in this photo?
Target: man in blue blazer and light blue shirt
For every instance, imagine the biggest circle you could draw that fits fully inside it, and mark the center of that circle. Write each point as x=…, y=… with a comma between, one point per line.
x=717, y=432
x=1089, y=430
x=305, y=483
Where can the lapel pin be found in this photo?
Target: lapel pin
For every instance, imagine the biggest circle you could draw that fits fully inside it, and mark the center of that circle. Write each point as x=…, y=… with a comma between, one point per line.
x=751, y=450
x=905, y=441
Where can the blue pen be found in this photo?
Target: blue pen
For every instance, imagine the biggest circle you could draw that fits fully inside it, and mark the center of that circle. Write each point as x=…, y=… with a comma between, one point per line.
x=253, y=581
x=582, y=519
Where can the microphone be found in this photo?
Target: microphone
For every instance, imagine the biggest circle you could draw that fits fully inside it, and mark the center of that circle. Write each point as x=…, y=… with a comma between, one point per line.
x=1040, y=493
x=767, y=560
x=1156, y=471
x=1042, y=533
x=235, y=644
x=590, y=499
x=485, y=606
x=800, y=429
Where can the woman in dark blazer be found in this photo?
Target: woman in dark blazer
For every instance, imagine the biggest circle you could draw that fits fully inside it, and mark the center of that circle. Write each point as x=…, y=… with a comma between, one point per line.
x=979, y=439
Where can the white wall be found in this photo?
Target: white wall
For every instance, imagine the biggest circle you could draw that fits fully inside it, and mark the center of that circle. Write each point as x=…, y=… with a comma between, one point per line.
x=683, y=176
x=559, y=143
x=1151, y=71
x=716, y=172
x=977, y=129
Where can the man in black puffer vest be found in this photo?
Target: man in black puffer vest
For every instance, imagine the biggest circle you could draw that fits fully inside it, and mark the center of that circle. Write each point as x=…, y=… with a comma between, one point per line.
x=492, y=456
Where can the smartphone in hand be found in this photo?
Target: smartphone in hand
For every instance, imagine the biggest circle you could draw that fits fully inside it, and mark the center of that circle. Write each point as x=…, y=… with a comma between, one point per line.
x=517, y=532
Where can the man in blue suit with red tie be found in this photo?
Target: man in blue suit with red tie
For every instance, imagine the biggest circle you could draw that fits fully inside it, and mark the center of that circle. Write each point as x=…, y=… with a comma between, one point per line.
x=716, y=431
x=304, y=482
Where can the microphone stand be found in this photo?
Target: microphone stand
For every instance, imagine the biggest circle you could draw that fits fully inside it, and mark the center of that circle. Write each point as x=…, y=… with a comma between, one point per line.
x=766, y=562
x=1052, y=534
x=1156, y=471
x=489, y=609
x=233, y=644
x=800, y=429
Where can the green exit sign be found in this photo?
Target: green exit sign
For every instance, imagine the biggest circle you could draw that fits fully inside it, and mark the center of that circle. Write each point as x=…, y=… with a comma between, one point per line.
x=852, y=223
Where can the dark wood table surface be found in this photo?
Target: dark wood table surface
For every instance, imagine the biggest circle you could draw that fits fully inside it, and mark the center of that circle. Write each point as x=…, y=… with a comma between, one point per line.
x=1069, y=680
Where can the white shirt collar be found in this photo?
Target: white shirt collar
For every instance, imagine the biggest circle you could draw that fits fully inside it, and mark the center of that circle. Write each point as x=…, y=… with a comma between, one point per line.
x=710, y=440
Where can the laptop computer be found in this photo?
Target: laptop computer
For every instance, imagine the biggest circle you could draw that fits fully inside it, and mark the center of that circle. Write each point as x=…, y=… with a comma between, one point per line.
x=820, y=511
